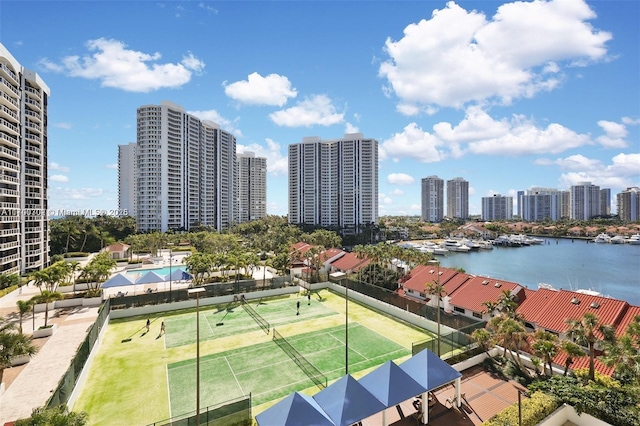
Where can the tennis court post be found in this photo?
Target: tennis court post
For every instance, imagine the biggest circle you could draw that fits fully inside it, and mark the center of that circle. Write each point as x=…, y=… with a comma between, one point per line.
x=197, y=292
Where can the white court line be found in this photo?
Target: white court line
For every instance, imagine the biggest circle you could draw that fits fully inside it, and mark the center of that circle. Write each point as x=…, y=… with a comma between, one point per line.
x=234, y=375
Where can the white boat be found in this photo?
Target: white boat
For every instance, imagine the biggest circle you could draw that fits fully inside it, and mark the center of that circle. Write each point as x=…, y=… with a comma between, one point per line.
x=535, y=240
x=485, y=245
x=473, y=245
x=508, y=241
x=634, y=239
x=455, y=245
x=441, y=251
x=602, y=238
x=618, y=239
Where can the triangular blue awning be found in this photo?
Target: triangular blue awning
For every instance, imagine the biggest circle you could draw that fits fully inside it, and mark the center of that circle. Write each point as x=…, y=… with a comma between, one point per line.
x=117, y=280
x=296, y=409
x=176, y=274
x=347, y=402
x=429, y=370
x=391, y=385
x=150, y=277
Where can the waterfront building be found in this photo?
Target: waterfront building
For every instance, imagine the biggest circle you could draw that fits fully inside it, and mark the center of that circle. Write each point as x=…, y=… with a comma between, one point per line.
x=565, y=209
x=432, y=208
x=458, y=198
x=497, y=207
x=629, y=204
x=127, y=194
x=585, y=201
x=185, y=170
x=605, y=202
x=519, y=196
x=23, y=162
x=540, y=204
x=334, y=183
x=251, y=193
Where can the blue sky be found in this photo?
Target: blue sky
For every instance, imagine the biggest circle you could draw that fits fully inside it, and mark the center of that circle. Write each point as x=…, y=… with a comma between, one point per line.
x=506, y=95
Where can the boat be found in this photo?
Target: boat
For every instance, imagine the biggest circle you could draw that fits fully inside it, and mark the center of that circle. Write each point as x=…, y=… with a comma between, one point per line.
x=508, y=241
x=634, y=239
x=455, y=245
x=602, y=238
x=618, y=239
x=485, y=245
x=473, y=245
x=440, y=251
x=535, y=240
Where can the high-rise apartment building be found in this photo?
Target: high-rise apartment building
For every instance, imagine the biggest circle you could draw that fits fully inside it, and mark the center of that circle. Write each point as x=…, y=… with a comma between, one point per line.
x=127, y=172
x=334, y=183
x=432, y=191
x=497, y=207
x=185, y=170
x=605, y=202
x=458, y=198
x=251, y=193
x=24, y=226
x=540, y=204
x=585, y=201
x=629, y=204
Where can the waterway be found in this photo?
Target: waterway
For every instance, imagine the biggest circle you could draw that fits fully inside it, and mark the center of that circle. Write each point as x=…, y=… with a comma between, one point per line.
x=611, y=269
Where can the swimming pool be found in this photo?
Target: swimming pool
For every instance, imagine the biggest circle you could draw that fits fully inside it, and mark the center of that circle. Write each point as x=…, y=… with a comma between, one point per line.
x=163, y=272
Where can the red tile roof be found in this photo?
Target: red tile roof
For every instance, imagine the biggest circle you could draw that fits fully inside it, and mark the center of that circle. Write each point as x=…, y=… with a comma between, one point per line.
x=583, y=362
x=349, y=262
x=550, y=309
x=630, y=313
x=422, y=275
x=476, y=290
x=330, y=253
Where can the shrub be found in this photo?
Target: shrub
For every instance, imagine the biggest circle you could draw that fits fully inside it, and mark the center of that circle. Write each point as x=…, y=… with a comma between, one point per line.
x=534, y=409
x=76, y=254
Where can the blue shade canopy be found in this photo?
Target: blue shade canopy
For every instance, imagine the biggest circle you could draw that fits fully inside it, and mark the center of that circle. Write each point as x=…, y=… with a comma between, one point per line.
x=347, y=402
x=150, y=277
x=391, y=385
x=117, y=280
x=178, y=274
x=294, y=410
x=429, y=370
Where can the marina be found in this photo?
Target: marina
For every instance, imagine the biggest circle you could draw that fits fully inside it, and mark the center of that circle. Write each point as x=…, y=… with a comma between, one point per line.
x=571, y=264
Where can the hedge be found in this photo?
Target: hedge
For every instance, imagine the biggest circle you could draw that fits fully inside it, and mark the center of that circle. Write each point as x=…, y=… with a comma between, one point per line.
x=534, y=409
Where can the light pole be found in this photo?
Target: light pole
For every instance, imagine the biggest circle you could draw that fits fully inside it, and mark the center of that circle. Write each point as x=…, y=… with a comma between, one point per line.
x=197, y=292
x=346, y=327
x=170, y=265
x=437, y=262
x=520, y=393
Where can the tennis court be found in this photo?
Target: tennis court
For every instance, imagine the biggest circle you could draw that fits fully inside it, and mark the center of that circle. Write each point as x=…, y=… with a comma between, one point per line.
x=268, y=372
x=236, y=357
x=230, y=319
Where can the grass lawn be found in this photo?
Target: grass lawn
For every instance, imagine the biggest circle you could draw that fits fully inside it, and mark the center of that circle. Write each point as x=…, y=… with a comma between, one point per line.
x=151, y=377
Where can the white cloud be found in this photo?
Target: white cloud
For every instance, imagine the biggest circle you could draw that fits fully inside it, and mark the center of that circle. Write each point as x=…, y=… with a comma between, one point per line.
x=397, y=192
x=350, y=128
x=630, y=121
x=65, y=126
x=116, y=66
x=59, y=178
x=277, y=164
x=459, y=56
x=412, y=142
x=224, y=123
x=113, y=166
x=620, y=174
x=615, y=134
x=58, y=167
x=273, y=89
x=572, y=162
x=400, y=179
x=316, y=110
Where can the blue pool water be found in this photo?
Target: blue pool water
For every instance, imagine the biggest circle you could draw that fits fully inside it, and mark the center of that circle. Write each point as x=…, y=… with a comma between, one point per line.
x=160, y=271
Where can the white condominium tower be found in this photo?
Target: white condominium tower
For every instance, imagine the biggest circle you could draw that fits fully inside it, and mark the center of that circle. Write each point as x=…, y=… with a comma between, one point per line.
x=127, y=172
x=540, y=204
x=185, y=171
x=251, y=195
x=585, y=201
x=432, y=199
x=629, y=204
x=24, y=227
x=497, y=207
x=334, y=183
x=458, y=198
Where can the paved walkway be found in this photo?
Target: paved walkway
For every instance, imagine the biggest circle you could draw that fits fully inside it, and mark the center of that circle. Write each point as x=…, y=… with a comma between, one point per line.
x=29, y=386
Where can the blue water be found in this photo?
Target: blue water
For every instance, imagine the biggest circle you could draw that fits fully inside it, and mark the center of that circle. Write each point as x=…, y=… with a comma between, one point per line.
x=160, y=271
x=611, y=269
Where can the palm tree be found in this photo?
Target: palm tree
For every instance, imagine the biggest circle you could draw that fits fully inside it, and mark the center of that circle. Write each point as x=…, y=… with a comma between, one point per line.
x=438, y=290
x=13, y=344
x=47, y=297
x=571, y=351
x=546, y=347
x=484, y=339
x=24, y=306
x=586, y=331
x=491, y=307
x=624, y=355
x=510, y=334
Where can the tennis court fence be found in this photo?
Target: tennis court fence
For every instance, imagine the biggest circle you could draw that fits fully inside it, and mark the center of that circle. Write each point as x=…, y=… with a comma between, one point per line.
x=305, y=365
x=230, y=413
x=263, y=323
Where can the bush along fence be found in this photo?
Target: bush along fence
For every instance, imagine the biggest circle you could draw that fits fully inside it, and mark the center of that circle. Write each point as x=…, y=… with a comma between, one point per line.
x=235, y=412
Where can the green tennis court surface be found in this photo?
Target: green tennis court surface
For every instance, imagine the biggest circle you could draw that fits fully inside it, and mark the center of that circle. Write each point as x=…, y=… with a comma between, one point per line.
x=226, y=320
x=267, y=372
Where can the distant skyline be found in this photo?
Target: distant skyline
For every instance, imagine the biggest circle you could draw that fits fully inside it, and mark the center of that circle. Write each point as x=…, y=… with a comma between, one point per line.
x=507, y=95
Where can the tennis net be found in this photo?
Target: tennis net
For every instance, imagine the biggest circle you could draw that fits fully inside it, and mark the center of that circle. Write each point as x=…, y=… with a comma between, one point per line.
x=309, y=369
x=263, y=323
